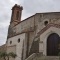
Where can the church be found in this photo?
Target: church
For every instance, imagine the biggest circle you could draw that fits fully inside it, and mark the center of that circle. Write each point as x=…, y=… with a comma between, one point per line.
x=37, y=34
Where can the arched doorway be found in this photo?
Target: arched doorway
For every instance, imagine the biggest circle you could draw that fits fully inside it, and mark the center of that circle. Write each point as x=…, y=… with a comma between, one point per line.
x=52, y=44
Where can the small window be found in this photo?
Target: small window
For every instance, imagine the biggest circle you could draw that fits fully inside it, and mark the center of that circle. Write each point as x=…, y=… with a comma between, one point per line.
x=18, y=40
x=10, y=42
x=46, y=22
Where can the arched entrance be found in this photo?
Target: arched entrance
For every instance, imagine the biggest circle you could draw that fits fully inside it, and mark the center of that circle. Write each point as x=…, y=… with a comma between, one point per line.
x=52, y=44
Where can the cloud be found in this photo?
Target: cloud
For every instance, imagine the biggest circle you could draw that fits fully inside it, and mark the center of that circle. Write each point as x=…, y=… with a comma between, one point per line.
x=3, y=35
x=33, y=6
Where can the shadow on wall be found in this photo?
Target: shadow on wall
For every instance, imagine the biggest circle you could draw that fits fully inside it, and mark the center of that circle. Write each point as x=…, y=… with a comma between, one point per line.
x=34, y=47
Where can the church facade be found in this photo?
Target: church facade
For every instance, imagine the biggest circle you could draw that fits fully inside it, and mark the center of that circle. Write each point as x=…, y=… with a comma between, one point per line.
x=39, y=33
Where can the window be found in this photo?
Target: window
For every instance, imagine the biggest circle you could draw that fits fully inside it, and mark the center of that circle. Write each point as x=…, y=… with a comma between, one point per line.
x=18, y=40
x=17, y=15
x=46, y=22
x=10, y=42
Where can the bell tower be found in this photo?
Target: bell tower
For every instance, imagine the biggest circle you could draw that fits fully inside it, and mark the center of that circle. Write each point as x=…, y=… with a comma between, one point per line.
x=16, y=14
x=15, y=19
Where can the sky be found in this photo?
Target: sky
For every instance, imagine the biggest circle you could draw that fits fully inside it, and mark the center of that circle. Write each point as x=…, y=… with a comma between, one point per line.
x=30, y=7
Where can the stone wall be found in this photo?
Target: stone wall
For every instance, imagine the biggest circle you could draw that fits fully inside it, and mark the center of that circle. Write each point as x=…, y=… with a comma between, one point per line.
x=23, y=26
x=15, y=44
x=49, y=17
x=3, y=48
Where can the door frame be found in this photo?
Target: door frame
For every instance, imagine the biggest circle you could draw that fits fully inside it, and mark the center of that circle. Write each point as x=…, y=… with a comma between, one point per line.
x=43, y=39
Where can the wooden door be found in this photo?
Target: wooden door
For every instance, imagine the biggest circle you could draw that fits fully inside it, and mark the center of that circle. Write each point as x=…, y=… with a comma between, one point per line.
x=52, y=44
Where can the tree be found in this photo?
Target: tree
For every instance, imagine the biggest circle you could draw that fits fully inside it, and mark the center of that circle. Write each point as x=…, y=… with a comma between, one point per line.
x=3, y=55
x=6, y=56
x=11, y=54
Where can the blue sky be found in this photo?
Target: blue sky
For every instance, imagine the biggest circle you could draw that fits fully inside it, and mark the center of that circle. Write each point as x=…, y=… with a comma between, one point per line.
x=30, y=7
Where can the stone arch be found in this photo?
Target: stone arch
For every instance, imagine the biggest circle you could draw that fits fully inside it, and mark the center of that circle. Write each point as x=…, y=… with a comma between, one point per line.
x=43, y=39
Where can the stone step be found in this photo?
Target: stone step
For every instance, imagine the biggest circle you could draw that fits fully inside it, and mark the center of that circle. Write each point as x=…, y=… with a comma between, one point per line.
x=39, y=56
x=47, y=58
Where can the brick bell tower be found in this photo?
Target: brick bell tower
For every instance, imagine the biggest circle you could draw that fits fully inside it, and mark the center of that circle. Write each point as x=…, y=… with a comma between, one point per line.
x=15, y=19
x=16, y=14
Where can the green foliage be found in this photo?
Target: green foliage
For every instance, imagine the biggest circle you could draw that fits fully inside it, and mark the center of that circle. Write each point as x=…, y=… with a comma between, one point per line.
x=12, y=54
x=5, y=55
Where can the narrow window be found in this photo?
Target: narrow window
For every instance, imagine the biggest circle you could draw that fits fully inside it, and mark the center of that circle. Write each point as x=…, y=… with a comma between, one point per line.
x=17, y=15
x=18, y=40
